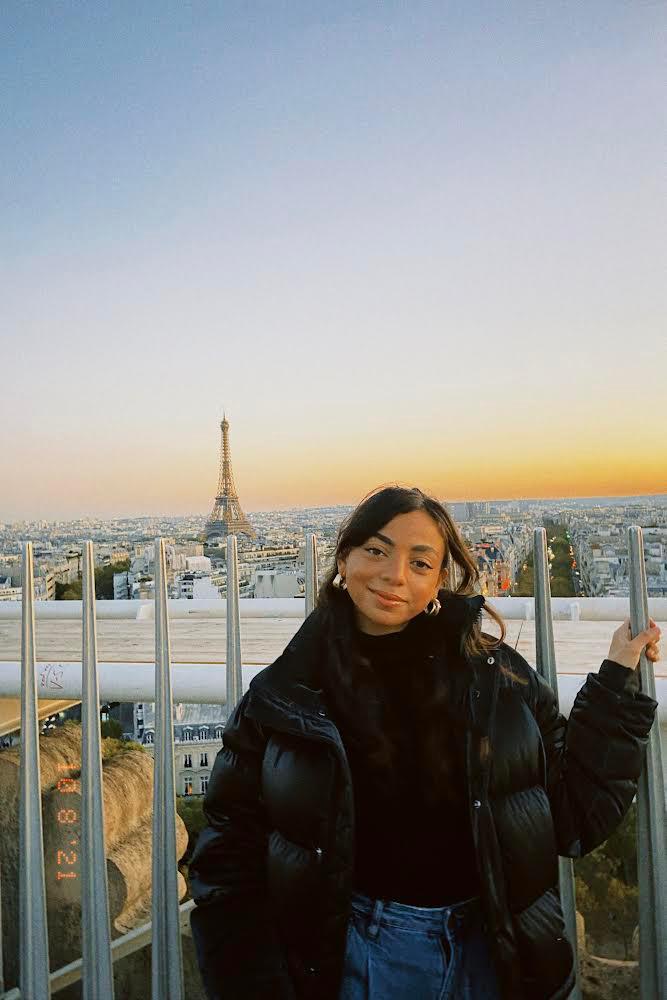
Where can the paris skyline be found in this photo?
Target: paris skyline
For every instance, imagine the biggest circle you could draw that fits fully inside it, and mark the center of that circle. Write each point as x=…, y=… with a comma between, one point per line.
x=417, y=245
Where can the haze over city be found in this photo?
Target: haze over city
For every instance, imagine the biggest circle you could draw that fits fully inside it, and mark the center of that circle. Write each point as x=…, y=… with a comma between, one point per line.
x=417, y=243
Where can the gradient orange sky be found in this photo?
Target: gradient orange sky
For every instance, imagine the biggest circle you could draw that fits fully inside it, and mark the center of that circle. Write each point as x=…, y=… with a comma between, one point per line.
x=318, y=466
x=411, y=243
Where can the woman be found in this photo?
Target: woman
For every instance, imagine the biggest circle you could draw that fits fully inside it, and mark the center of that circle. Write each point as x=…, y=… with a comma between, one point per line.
x=386, y=814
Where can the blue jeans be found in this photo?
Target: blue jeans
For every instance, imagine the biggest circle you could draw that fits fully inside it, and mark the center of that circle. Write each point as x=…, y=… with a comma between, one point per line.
x=400, y=952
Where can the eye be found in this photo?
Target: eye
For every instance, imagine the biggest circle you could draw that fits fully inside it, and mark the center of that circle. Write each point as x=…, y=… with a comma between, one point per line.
x=374, y=550
x=422, y=565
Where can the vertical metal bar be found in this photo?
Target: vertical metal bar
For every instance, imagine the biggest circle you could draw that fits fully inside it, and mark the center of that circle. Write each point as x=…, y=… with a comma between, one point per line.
x=2, y=968
x=234, y=673
x=33, y=933
x=311, y=572
x=546, y=665
x=651, y=833
x=452, y=580
x=166, y=957
x=97, y=967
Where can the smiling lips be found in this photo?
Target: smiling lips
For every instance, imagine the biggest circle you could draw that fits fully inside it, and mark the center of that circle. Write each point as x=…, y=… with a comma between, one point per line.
x=389, y=599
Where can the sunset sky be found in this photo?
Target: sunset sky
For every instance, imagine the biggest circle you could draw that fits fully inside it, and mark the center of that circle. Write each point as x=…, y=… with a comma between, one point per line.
x=407, y=242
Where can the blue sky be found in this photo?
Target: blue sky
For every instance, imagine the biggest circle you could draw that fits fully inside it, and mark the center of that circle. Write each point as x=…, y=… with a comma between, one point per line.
x=388, y=238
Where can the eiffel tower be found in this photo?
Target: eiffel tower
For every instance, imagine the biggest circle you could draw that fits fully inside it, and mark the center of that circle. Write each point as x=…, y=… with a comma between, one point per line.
x=227, y=518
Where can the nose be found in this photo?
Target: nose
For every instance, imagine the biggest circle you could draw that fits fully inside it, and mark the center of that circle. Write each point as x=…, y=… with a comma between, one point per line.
x=394, y=568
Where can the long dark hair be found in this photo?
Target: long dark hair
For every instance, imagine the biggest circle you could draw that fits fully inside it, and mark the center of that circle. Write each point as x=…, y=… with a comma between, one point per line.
x=351, y=684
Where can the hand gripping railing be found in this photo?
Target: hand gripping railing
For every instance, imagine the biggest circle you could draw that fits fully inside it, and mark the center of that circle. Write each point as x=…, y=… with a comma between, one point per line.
x=651, y=826
x=651, y=837
x=545, y=659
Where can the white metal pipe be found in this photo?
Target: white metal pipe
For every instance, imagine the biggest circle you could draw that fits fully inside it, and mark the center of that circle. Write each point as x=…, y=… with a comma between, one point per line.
x=311, y=572
x=33, y=933
x=166, y=957
x=2, y=968
x=192, y=683
x=96, y=935
x=233, y=623
x=651, y=839
x=545, y=661
x=199, y=684
x=264, y=607
x=609, y=609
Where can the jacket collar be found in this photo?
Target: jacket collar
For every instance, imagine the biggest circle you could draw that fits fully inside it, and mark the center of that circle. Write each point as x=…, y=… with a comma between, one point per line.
x=449, y=628
x=292, y=681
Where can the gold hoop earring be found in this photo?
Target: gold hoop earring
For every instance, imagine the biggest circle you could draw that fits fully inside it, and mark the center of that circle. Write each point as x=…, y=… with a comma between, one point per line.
x=339, y=582
x=433, y=607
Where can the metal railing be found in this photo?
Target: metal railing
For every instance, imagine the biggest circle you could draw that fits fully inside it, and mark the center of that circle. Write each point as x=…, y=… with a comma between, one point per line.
x=545, y=661
x=95, y=968
x=511, y=608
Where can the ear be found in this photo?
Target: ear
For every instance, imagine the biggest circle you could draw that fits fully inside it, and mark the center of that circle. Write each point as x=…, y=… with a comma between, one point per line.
x=341, y=563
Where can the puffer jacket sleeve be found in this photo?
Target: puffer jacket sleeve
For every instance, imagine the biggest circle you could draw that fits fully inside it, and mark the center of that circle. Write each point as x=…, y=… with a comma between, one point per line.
x=238, y=949
x=594, y=758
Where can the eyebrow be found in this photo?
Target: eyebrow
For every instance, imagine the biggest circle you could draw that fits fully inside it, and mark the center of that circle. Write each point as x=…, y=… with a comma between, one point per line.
x=415, y=548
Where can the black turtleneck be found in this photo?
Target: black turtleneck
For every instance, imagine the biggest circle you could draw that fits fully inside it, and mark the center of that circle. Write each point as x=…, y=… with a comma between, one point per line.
x=408, y=849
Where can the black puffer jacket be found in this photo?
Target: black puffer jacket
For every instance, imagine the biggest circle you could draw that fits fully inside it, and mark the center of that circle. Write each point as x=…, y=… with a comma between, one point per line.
x=272, y=873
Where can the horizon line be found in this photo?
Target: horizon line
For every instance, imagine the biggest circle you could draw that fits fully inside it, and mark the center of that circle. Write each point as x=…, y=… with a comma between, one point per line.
x=285, y=507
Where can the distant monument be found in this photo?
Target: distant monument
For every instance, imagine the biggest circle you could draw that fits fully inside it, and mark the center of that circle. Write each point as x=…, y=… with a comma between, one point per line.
x=227, y=518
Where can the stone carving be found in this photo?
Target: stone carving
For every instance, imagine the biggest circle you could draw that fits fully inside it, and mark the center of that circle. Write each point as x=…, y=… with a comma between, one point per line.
x=605, y=978
x=128, y=806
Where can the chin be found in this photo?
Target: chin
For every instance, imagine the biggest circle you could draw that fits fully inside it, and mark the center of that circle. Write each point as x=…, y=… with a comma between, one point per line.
x=388, y=618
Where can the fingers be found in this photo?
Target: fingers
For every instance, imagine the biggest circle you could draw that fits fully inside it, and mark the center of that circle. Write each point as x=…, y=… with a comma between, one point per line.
x=646, y=641
x=650, y=639
x=652, y=632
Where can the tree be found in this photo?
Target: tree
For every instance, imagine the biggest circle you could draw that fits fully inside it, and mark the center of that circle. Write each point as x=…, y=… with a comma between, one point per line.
x=104, y=579
x=560, y=580
x=111, y=728
x=525, y=585
x=561, y=586
x=68, y=591
x=103, y=583
x=191, y=810
x=111, y=747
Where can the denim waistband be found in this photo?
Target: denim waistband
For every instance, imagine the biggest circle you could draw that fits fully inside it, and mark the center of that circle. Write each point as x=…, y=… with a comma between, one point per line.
x=420, y=918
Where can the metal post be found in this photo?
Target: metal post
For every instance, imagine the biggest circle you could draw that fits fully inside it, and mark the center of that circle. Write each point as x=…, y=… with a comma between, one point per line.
x=2, y=969
x=452, y=580
x=651, y=835
x=166, y=957
x=33, y=932
x=311, y=572
x=546, y=665
x=234, y=674
x=97, y=977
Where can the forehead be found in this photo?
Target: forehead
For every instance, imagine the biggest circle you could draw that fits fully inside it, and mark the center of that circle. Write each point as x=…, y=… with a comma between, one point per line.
x=414, y=529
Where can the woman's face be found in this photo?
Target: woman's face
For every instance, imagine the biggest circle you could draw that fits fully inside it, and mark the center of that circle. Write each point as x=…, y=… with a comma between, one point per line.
x=395, y=573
